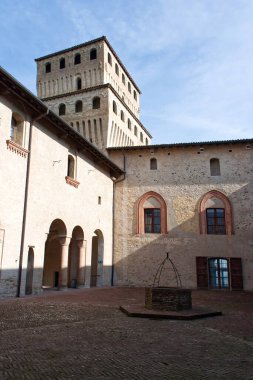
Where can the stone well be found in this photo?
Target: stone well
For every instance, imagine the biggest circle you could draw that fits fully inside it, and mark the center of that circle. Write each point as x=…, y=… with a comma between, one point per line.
x=165, y=298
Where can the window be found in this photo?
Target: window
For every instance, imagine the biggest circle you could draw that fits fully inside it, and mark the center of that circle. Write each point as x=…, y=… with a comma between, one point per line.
x=96, y=103
x=152, y=220
x=78, y=83
x=153, y=164
x=116, y=69
x=62, y=109
x=93, y=54
x=219, y=273
x=109, y=59
x=79, y=106
x=129, y=87
x=135, y=131
x=151, y=214
x=146, y=141
x=129, y=124
x=99, y=200
x=17, y=129
x=215, y=221
x=48, y=67
x=215, y=167
x=123, y=79
x=71, y=166
x=122, y=116
x=141, y=137
x=135, y=95
x=77, y=126
x=77, y=59
x=62, y=63
x=215, y=214
x=114, y=107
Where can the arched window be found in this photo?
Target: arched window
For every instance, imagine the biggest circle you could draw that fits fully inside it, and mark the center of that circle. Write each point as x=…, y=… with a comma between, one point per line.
x=48, y=67
x=114, y=107
x=146, y=141
x=135, y=131
x=215, y=214
x=78, y=126
x=135, y=95
x=71, y=166
x=215, y=167
x=123, y=79
x=122, y=116
x=151, y=214
x=77, y=59
x=129, y=87
x=79, y=106
x=153, y=164
x=96, y=103
x=62, y=63
x=109, y=59
x=78, y=83
x=116, y=69
x=17, y=129
x=129, y=124
x=62, y=109
x=93, y=54
x=141, y=137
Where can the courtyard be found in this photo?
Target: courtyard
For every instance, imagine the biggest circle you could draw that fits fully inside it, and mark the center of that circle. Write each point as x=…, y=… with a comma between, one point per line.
x=82, y=334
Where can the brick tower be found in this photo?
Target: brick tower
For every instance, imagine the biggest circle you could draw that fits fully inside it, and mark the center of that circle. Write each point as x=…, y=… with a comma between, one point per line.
x=90, y=88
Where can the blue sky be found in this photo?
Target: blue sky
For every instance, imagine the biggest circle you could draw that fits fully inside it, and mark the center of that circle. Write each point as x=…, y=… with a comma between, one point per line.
x=192, y=59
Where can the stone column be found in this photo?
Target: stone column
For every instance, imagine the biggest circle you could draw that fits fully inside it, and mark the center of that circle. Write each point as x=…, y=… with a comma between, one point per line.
x=63, y=276
x=82, y=261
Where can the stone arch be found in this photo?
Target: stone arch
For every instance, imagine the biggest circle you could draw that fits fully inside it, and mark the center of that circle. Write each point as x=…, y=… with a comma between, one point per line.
x=97, y=258
x=140, y=211
x=76, y=263
x=54, y=270
x=213, y=195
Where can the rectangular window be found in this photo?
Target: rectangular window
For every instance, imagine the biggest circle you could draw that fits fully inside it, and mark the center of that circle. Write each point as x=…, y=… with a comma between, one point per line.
x=215, y=218
x=152, y=220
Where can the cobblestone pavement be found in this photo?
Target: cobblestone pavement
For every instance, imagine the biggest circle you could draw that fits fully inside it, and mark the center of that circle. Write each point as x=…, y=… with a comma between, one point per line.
x=81, y=334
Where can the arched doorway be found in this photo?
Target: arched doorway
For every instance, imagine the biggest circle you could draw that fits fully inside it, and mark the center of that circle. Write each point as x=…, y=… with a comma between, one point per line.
x=97, y=256
x=29, y=272
x=75, y=261
x=53, y=254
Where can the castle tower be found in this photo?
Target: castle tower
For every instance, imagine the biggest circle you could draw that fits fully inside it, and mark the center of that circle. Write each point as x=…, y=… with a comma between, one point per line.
x=89, y=87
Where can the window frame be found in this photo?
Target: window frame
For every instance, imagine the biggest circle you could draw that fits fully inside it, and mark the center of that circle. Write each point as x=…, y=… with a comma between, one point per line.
x=140, y=212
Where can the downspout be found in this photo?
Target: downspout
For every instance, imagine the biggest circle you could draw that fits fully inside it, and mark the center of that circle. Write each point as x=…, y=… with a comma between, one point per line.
x=25, y=201
x=113, y=213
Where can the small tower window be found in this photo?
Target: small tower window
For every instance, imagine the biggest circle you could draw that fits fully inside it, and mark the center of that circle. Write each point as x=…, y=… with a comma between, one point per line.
x=62, y=63
x=129, y=87
x=109, y=58
x=129, y=124
x=48, y=67
x=135, y=95
x=96, y=103
x=215, y=167
x=79, y=106
x=62, y=109
x=77, y=59
x=123, y=79
x=71, y=166
x=114, y=107
x=93, y=54
x=122, y=116
x=141, y=137
x=135, y=131
x=78, y=83
x=99, y=200
x=116, y=69
x=146, y=141
x=153, y=164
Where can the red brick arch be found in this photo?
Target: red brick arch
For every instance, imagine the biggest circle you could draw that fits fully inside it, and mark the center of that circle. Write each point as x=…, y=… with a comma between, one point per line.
x=140, y=211
x=228, y=211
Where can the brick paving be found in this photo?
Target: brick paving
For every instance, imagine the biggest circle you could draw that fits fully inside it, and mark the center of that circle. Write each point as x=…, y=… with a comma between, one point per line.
x=82, y=334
